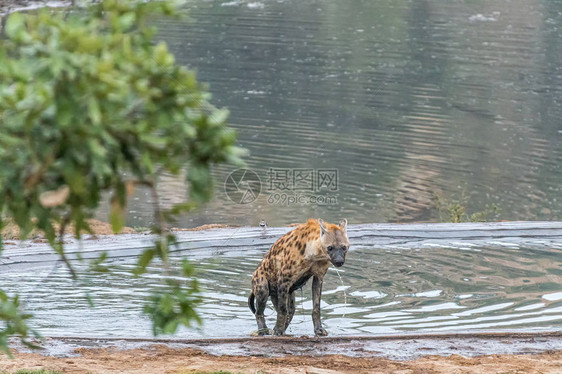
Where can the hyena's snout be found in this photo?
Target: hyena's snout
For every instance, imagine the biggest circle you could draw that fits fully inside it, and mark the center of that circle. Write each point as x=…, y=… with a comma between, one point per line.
x=337, y=255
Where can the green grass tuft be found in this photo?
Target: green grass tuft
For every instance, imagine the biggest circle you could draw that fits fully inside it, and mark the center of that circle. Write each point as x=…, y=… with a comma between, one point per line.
x=455, y=210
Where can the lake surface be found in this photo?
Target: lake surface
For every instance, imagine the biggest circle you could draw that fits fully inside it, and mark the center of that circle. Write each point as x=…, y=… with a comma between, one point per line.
x=397, y=279
x=405, y=99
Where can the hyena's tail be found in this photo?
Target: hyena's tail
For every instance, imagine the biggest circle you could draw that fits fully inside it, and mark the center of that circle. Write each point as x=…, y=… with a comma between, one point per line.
x=251, y=303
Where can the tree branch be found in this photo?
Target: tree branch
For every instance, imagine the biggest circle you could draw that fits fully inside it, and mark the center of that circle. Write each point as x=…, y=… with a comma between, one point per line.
x=62, y=229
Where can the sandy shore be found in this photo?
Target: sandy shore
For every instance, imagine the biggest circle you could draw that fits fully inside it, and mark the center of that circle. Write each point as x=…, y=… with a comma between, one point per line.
x=163, y=359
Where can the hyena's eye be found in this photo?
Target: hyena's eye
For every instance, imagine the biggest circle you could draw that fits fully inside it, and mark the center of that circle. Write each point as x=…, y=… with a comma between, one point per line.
x=330, y=248
x=344, y=248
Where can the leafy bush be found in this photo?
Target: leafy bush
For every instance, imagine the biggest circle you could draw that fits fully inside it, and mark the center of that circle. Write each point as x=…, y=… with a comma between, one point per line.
x=15, y=322
x=89, y=104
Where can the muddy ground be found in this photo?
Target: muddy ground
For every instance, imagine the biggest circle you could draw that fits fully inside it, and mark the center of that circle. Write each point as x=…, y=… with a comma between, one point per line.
x=12, y=232
x=163, y=359
x=7, y=6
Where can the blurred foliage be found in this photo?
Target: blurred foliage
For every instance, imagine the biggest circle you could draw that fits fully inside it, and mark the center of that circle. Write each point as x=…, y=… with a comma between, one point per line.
x=15, y=323
x=176, y=307
x=89, y=103
x=455, y=210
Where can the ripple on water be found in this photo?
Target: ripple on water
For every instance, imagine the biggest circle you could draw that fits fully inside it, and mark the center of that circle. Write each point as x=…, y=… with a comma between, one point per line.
x=406, y=99
x=429, y=290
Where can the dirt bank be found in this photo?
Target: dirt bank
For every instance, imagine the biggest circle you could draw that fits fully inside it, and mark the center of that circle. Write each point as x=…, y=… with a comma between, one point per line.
x=8, y=6
x=12, y=232
x=162, y=359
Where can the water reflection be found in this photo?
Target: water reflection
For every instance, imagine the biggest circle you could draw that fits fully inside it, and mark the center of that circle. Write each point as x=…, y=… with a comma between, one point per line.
x=404, y=98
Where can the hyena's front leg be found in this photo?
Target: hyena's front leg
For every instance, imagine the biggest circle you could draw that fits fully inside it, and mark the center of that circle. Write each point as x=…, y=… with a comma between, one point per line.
x=316, y=294
x=282, y=310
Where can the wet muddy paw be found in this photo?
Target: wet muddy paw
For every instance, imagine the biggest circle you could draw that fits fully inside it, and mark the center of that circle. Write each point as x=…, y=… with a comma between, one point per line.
x=262, y=332
x=320, y=332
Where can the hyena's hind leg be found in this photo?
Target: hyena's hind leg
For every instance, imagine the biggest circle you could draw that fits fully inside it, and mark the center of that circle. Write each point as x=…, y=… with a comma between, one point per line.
x=290, y=309
x=261, y=292
x=290, y=306
x=273, y=297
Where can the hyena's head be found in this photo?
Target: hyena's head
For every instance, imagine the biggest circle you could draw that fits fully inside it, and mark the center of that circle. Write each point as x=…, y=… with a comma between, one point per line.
x=334, y=241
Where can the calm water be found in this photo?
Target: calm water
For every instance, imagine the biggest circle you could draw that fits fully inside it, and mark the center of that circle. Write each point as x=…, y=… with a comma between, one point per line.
x=405, y=99
x=464, y=286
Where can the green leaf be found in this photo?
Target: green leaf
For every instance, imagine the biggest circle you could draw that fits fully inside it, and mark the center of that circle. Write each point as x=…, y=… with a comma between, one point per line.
x=1, y=237
x=15, y=25
x=90, y=300
x=97, y=264
x=161, y=55
x=94, y=111
x=144, y=260
x=219, y=117
x=127, y=20
x=117, y=216
x=188, y=269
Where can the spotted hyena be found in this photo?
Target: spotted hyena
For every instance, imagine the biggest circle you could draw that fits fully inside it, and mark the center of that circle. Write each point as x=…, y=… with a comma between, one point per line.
x=306, y=251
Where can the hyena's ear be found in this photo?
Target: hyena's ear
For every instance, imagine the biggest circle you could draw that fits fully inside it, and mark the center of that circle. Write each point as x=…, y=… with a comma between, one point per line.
x=322, y=226
x=343, y=225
